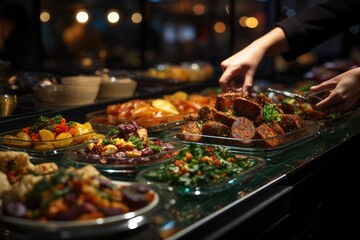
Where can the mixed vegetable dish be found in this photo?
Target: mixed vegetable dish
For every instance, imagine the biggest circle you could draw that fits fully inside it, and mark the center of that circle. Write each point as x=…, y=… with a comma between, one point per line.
x=49, y=133
x=202, y=165
x=73, y=194
x=128, y=143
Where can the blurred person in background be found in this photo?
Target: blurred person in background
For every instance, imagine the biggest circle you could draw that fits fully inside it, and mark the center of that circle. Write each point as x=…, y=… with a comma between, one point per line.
x=15, y=36
x=292, y=37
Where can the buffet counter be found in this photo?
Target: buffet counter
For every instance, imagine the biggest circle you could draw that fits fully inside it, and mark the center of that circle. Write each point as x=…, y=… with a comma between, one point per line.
x=288, y=196
x=285, y=198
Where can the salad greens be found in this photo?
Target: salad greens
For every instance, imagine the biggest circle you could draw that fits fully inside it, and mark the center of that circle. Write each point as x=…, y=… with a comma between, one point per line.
x=203, y=165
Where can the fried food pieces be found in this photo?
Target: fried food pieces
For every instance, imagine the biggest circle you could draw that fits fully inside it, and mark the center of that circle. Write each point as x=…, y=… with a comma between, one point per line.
x=14, y=165
x=244, y=118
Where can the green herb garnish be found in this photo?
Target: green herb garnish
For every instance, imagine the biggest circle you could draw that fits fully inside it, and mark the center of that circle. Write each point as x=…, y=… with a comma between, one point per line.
x=136, y=141
x=269, y=113
x=112, y=132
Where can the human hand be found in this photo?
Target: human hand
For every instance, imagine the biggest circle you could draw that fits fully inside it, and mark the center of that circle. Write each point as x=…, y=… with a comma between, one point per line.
x=345, y=93
x=240, y=68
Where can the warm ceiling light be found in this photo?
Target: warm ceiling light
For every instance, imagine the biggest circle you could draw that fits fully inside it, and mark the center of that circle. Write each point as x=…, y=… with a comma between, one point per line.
x=219, y=27
x=113, y=16
x=136, y=18
x=242, y=21
x=45, y=16
x=252, y=22
x=82, y=16
x=199, y=9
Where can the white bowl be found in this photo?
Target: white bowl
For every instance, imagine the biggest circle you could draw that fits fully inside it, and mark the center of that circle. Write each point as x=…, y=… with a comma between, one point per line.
x=86, y=80
x=48, y=93
x=66, y=95
x=78, y=95
x=119, y=88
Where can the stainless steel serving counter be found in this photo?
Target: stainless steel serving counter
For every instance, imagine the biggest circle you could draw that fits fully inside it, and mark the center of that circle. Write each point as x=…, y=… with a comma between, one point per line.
x=288, y=199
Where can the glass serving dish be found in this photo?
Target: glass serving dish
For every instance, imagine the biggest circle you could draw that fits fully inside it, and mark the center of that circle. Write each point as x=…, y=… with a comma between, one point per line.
x=330, y=125
x=101, y=121
x=197, y=177
x=124, y=168
x=142, y=78
x=72, y=229
x=169, y=73
x=294, y=104
x=9, y=141
x=306, y=132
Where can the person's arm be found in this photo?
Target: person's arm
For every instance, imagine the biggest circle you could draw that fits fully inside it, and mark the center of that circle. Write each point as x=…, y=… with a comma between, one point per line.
x=317, y=24
x=239, y=69
x=291, y=37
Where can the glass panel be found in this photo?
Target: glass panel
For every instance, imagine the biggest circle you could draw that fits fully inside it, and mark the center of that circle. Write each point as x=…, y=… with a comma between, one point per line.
x=251, y=20
x=86, y=46
x=147, y=33
x=186, y=31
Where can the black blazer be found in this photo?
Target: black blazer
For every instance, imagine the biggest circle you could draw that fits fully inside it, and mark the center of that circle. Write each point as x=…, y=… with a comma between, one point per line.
x=317, y=24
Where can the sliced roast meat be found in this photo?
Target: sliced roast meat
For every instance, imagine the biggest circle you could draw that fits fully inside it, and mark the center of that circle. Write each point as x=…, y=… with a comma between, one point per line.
x=243, y=130
x=206, y=113
x=225, y=101
x=289, y=122
x=276, y=127
x=215, y=128
x=246, y=108
x=225, y=117
x=191, y=131
x=268, y=135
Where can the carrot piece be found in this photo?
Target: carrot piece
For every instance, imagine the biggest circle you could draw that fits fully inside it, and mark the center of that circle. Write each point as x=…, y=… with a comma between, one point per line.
x=71, y=130
x=35, y=136
x=26, y=130
x=63, y=121
x=59, y=128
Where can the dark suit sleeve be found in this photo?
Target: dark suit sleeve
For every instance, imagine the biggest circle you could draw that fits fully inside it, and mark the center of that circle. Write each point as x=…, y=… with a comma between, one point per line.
x=315, y=25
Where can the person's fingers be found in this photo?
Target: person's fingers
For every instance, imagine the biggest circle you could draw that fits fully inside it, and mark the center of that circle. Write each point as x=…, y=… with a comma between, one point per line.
x=336, y=102
x=223, y=82
x=319, y=87
x=334, y=98
x=233, y=87
x=325, y=105
x=344, y=106
x=224, y=64
x=248, y=82
x=223, y=67
x=230, y=79
x=329, y=84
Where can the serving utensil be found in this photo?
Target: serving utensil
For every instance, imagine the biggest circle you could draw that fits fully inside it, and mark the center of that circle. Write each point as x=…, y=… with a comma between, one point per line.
x=309, y=97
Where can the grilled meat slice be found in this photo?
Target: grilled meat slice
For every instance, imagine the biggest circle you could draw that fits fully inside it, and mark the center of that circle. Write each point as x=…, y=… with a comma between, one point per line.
x=224, y=117
x=276, y=127
x=191, y=117
x=206, y=113
x=290, y=122
x=262, y=99
x=214, y=128
x=225, y=101
x=243, y=129
x=246, y=108
x=268, y=135
x=191, y=131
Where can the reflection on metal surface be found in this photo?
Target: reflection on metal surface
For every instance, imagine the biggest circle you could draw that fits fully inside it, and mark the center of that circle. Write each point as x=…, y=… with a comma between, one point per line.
x=8, y=104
